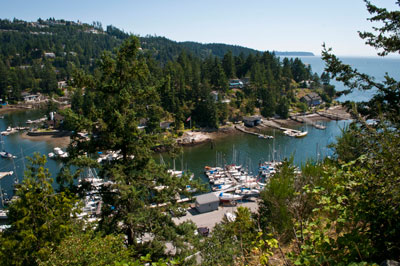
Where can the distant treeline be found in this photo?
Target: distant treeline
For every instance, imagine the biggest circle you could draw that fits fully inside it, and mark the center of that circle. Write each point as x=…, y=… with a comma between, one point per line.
x=35, y=55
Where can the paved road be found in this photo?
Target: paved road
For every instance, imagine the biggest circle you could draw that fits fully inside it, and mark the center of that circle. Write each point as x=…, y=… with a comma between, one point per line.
x=209, y=219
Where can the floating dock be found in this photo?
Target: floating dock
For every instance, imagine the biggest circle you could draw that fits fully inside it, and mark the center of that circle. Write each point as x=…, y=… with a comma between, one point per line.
x=307, y=121
x=242, y=129
x=334, y=116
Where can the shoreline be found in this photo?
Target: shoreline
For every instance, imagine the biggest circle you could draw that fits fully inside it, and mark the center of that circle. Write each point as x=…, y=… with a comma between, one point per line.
x=192, y=138
x=58, y=141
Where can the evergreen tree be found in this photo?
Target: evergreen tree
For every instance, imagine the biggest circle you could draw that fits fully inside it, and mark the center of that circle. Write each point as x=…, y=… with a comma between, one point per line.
x=228, y=64
x=39, y=218
x=282, y=109
x=123, y=97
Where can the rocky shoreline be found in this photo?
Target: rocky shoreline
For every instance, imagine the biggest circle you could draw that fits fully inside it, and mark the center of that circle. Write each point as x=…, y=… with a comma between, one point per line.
x=191, y=138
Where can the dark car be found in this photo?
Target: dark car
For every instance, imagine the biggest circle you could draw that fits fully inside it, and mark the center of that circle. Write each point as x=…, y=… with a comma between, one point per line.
x=204, y=231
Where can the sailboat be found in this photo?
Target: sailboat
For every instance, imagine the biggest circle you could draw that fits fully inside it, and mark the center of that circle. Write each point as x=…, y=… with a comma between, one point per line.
x=4, y=153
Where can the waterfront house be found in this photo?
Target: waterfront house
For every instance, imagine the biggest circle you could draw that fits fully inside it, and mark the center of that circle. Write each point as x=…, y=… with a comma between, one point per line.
x=55, y=120
x=30, y=97
x=311, y=99
x=207, y=202
x=252, y=121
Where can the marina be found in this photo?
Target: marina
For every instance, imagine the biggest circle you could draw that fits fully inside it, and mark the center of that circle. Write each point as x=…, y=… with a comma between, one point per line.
x=249, y=151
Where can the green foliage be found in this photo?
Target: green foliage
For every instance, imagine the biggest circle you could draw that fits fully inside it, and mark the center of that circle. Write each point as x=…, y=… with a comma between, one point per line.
x=274, y=207
x=283, y=201
x=283, y=108
x=230, y=242
x=357, y=218
x=39, y=218
x=302, y=106
x=89, y=248
x=142, y=195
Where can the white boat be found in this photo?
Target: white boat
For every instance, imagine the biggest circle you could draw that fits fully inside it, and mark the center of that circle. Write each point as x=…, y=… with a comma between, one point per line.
x=223, y=181
x=3, y=215
x=248, y=192
x=3, y=174
x=231, y=217
x=7, y=155
x=295, y=133
x=301, y=134
x=224, y=197
x=265, y=137
x=222, y=187
x=58, y=153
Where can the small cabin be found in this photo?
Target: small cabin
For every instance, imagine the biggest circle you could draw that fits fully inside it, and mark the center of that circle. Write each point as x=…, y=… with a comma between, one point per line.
x=207, y=203
x=252, y=121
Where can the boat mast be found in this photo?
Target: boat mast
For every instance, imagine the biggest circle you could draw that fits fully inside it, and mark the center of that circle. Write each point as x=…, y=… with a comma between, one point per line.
x=23, y=158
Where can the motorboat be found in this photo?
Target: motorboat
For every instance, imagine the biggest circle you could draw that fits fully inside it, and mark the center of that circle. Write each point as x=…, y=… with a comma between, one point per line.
x=226, y=197
x=3, y=215
x=7, y=155
x=301, y=134
x=58, y=153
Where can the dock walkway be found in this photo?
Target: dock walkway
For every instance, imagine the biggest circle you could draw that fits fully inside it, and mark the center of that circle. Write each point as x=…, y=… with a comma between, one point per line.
x=303, y=119
x=242, y=129
x=334, y=116
x=275, y=124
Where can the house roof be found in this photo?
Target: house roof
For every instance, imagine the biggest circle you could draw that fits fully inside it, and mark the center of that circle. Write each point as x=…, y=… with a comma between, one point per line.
x=165, y=124
x=207, y=198
x=252, y=118
x=313, y=95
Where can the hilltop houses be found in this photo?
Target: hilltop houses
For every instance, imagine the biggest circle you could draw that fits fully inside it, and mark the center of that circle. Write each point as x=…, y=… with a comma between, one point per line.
x=235, y=84
x=311, y=99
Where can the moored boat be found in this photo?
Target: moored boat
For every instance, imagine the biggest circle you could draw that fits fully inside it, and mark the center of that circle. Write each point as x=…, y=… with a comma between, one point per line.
x=226, y=197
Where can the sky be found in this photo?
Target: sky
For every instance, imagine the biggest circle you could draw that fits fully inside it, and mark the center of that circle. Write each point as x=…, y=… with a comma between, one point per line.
x=273, y=25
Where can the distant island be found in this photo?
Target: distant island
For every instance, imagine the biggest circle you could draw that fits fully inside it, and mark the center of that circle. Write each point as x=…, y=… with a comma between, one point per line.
x=294, y=53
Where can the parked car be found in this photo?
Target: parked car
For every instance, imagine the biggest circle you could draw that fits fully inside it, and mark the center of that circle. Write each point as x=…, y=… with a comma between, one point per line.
x=204, y=231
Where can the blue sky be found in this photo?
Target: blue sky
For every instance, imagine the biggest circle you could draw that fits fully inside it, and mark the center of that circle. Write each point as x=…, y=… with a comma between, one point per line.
x=289, y=25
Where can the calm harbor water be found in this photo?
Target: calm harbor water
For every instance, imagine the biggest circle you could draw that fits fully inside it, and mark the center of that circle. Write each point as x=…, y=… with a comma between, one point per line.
x=249, y=149
x=22, y=148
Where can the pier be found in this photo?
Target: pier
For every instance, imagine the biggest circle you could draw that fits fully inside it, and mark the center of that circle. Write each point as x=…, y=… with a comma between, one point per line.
x=334, y=116
x=287, y=131
x=242, y=129
x=308, y=121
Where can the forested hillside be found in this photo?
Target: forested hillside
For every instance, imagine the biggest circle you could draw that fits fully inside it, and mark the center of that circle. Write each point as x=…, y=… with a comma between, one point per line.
x=35, y=55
